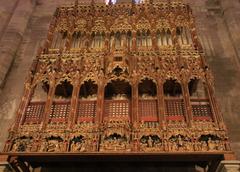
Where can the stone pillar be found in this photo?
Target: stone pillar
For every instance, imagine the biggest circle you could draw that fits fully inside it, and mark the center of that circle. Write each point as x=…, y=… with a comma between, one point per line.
x=13, y=35
x=4, y=165
x=229, y=166
x=230, y=10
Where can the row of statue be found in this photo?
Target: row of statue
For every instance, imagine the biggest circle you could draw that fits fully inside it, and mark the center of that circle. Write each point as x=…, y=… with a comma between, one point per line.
x=120, y=143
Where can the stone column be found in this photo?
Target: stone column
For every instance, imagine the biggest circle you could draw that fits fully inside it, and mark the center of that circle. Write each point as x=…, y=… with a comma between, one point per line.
x=230, y=10
x=4, y=165
x=229, y=166
x=13, y=35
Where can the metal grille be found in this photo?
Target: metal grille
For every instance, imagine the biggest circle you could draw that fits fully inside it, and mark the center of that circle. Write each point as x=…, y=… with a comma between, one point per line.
x=201, y=109
x=148, y=110
x=59, y=111
x=116, y=107
x=86, y=110
x=34, y=112
x=174, y=109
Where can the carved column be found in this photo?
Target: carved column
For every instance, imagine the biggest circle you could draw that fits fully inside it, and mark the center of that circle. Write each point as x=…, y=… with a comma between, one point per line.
x=74, y=101
x=215, y=110
x=69, y=40
x=124, y=37
x=194, y=36
x=49, y=41
x=134, y=109
x=100, y=101
x=107, y=42
x=154, y=40
x=229, y=166
x=134, y=41
x=51, y=92
x=24, y=102
x=187, y=102
x=174, y=36
x=160, y=99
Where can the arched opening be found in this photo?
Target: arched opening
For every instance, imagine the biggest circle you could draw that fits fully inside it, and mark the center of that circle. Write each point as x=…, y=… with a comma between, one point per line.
x=88, y=90
x=118, y=89
x=35, y=109
x=61, y=102
x=172, y=88
x=129, y=40
x=201, y=107
x=183, y=35
x=112, y=40
x=139, y=39
x=174, y=104
x=97, y=40
x=87, y=104
x=164, y=37
x=148, y=39
x=117, y=99
x=144, y=39
x=118, y=40
x=63, y=91
x=78, y=40
x=169, y=37
x=147, y=89
x=59, y=40
x=148, y=109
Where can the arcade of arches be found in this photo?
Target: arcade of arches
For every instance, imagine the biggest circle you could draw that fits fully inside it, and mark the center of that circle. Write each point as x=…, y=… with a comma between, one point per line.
x=126, y=78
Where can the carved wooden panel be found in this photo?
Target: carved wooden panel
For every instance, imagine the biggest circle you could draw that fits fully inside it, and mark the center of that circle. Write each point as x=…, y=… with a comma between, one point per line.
x=116, y=108
x=147, y=110
x=34, y=112
x=59, y=111
x=86, y=110
x=174, y=108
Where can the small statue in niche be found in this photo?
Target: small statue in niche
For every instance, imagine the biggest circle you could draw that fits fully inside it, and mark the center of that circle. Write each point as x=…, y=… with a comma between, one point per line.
x=150, y=142
x=44, y=146
x=15, y=147
x=204, y=146
x=211, y=144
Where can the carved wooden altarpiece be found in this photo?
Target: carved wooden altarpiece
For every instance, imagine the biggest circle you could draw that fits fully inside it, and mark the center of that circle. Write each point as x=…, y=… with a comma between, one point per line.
x=119, y=79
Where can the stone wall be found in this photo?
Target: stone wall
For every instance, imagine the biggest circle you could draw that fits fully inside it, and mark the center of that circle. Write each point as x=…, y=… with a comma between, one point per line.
x=24, y=25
